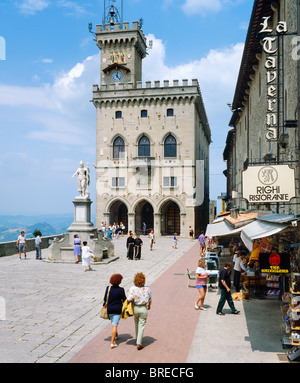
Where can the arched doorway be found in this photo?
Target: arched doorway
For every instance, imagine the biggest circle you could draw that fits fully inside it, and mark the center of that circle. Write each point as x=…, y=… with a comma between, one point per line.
x=170, y=218
x=118, y=213
x=144, y=213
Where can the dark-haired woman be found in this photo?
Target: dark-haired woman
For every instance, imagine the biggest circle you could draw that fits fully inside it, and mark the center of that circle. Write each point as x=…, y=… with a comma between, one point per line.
x=141, y=296
x=116, y=298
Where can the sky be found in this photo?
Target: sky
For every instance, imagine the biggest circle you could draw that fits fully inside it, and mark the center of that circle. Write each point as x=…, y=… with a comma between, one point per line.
x=49, y=63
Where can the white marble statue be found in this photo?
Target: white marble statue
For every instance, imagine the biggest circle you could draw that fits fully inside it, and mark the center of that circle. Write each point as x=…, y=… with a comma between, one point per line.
x=83, y=179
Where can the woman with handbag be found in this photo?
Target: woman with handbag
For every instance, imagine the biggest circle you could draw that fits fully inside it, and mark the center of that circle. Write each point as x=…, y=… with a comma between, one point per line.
x=141, y=296
x=114, y=298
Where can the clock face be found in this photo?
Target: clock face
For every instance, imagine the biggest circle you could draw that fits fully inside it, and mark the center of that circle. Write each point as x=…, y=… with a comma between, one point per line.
x=117, y=75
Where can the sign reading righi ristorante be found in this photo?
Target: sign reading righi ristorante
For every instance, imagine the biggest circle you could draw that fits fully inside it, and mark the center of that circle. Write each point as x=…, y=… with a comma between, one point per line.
x=269, y=183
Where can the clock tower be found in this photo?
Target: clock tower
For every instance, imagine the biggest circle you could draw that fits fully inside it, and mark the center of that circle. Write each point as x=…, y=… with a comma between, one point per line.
x=122, y=51
x=152, y=139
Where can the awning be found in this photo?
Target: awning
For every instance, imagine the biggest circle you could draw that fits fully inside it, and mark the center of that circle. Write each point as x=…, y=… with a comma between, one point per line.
x=277, y=218
x=260, y=229
x=220, y=229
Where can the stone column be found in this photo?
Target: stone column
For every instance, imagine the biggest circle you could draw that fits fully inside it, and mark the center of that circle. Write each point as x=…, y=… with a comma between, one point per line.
x=131, y=222
x=183, y=226
x=157, y=224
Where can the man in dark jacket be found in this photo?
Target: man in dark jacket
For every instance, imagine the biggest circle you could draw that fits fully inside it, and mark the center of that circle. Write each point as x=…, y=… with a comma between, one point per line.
x=224, y=285
x=138, y=247
x=130, y=246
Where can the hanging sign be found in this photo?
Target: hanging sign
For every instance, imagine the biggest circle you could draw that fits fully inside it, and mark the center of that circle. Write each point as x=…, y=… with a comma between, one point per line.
x=270, y=47
x=276, y=263
x=270, y=183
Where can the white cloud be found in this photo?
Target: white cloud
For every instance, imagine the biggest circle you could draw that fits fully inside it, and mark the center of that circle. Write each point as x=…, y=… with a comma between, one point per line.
x=201, y=6
x=56, y=113
x=61, y=110
x=47, y=61
x=18, y=97
x=30, y=7
x=192, y=7
x=72, y=8
x=66, y=83
x=217, y=74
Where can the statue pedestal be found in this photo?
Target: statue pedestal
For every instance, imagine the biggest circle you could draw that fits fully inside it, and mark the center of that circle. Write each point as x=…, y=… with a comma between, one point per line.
x=82, y=225
x=63, y=249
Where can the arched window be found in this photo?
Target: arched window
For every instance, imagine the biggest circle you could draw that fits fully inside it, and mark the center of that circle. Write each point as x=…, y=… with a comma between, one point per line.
x=170, y=147
x=118, y=148
x=144, y=147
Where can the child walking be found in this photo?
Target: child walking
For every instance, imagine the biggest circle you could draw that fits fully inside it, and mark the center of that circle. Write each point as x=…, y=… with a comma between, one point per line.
x=86, y=256
x=175, y=241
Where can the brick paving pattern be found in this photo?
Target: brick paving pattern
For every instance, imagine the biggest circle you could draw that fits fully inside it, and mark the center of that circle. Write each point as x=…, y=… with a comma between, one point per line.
x=170, y=325
x=52, y=313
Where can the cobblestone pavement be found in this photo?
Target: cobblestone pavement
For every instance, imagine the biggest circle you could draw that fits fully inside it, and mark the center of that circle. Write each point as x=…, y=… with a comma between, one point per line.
x=52, y=309
x=52, y=313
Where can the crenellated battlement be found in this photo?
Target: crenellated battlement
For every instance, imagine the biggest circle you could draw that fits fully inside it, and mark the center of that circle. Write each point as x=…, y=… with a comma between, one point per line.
x=157, y=84
x=111, y=36
x=117, y=27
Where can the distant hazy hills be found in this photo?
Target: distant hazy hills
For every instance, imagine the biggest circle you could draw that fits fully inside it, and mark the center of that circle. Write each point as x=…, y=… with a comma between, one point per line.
x=11, y=226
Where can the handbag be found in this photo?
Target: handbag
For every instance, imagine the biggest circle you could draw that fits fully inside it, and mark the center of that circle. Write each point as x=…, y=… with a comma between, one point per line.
x=103, y=311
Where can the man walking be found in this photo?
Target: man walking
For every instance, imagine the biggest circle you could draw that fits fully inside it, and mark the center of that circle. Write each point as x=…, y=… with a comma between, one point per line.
x=224, y=285
x=202, y=244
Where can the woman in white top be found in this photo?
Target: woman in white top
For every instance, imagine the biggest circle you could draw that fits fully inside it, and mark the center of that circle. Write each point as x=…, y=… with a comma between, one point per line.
x=86, y=256
x=238, y=268
x=152, y=238
x=142, y=298
x=201, y=284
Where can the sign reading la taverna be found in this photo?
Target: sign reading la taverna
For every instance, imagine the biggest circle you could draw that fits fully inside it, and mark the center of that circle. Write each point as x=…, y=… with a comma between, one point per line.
x=269, y=183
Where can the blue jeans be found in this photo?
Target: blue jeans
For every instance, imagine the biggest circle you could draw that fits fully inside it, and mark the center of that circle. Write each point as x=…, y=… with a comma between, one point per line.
x=38, y=254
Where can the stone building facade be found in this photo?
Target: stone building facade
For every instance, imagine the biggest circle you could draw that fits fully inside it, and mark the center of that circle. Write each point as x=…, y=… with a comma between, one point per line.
x=264, y=124
x=152, y=141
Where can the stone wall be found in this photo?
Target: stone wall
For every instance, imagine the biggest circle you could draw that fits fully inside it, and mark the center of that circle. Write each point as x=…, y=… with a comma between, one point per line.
x=10, y=248
x=250, y=129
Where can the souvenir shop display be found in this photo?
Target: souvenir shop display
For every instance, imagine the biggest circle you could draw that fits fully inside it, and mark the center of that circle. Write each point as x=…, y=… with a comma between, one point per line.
x=273, y=285
x=291, y=310
x=295, y=282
